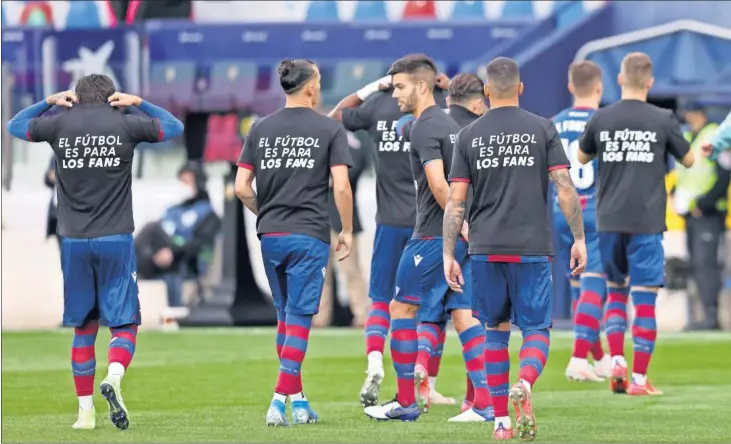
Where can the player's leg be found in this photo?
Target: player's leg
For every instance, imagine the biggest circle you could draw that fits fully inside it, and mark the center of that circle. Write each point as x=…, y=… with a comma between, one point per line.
x=306, y=266
x=119, y=308
x=416, y=276
x=274, y=258
x=493, y=308
x=531, y=294
x=388, y=245
x=428, y=333
x=587, y=318
x=80, y=312
x=646, y=266
x=612, y=248
x=472, y=336
x=435, y=362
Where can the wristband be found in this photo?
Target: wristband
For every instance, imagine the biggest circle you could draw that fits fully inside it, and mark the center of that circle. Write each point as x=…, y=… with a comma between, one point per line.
x=371, y=88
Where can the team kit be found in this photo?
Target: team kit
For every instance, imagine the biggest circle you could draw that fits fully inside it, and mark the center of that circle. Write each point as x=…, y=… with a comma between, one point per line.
x=462, y=229
x=462, y=232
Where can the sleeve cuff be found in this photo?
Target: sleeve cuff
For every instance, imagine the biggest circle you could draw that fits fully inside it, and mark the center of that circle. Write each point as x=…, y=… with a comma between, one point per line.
x=341, y=164
x=247, y=166
x=459, y=179
x=558, y=167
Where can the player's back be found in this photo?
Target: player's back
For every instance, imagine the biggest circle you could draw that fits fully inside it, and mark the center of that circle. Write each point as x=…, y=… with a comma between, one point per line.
x=570, y=124
x=291, y=152
x=432, y=137
x=507, y=154
x=94, y=146
x=631, y=139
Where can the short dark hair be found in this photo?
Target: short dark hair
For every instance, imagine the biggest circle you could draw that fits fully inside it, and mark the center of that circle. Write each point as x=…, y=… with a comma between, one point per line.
x=503, y=77
x=294, y=74
x=584, y=76
x=419, y=65
x=94, y=88
x=637, y=69
x=466, y=86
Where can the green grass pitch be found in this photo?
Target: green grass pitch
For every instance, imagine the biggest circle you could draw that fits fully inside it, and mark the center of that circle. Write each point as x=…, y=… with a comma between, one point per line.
x=215, y=386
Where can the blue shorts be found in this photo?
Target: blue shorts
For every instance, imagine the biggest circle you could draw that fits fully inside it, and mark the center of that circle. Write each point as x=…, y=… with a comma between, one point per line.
x=100, y=281
x=641, y=256
x=566, y=240
x=519, y=292
x=420, y=279
x=388, y=246
x=295, y=265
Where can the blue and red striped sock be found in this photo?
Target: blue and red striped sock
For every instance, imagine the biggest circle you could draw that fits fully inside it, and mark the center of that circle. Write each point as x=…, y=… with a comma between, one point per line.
x=615, y=319
x=123, y=344
x=281, y=331
x=588, y=316
x=428, y=334
x=83, y=358
x=298, y=328
x=404, y=348
x=497, y=367
x=533, y=354
x=435, y=360
x=644, y=330
x=376, y=327
x=473, y=347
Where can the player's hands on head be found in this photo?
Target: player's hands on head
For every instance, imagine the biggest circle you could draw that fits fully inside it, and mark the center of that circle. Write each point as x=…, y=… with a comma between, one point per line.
x=385, y=84
x=121, y=100
x=465, y=231
x=345, y=243
x=578, y=257
x=442, y=81
x=65, y=98
x=453, y=273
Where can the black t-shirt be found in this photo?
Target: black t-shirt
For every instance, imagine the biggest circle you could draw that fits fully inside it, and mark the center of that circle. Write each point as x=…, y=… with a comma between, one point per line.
x=631, y=139
x=432, y=138
x=94, y=146
x=291, y=152
x=461, y=115
x=506, y=155
x=395, y=195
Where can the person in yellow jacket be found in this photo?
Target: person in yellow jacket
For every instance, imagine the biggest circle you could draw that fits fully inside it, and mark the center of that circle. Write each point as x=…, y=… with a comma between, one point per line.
x=701, y=198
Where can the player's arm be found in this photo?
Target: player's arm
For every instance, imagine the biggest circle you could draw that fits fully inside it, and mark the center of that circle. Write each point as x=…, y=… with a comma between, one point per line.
x=28, y=123
x=351, y=118
x=569, y=201
x=721, y=140
x=460, y=178
x=159, y=127
x=340, y=160
x=587, y=143
x=677, y=145
x=246, y=173
x=427, y=144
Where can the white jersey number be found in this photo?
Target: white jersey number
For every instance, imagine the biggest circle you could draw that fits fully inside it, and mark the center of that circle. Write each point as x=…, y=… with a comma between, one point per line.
x=582, y=175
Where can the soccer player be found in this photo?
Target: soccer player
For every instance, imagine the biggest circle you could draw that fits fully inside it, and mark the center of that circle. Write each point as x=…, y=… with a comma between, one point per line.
x=588, y=291
x=93, y=144
x=466, y=101
x=631, y=140
x=293, y=153
x=507, y=156
x=420, y=287
x=373, y=109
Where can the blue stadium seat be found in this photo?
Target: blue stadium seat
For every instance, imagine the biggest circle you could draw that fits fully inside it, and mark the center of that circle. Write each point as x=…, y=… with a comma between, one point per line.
x=231, y=85
x=323, y=11
x=517, y=9
x=269, y=100
x=468, y=10
x=83, y=15
x=171, y=84
x=370, y=11
x=349, y=76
